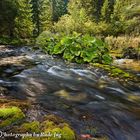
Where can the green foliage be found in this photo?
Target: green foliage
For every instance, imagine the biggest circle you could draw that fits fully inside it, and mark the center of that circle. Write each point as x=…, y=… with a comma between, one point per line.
x=105, y=11
x=15, y=18
x=45, y=13
x=44, y=37
x=102, y=18
x=59, y=9
x=35, y=17
x=8, y=12
x=76, y=48
x=27, y=18
x=5, y=40
x=23, y=21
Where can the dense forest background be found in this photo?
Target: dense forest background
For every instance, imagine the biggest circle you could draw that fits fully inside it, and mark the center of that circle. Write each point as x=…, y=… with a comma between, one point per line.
x=116, y=22
x=28, y=18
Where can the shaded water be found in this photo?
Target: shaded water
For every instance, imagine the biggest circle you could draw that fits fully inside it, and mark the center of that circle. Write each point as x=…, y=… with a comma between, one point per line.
x=85, y=96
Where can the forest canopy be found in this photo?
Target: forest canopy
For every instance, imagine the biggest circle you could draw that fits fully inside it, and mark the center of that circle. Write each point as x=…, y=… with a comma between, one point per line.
x=29, y=18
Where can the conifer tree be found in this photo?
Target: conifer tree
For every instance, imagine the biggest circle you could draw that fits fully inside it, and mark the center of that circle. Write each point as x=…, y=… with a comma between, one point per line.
x=60, y=8
x=8, y=12
x=45, y=15
x=35, y=17
x=105, y=11
x=23, y=21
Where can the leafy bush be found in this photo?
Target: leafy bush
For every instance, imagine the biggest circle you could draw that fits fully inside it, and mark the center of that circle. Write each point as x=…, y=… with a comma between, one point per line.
x=76, y=48
x=42, y=38
x=67, y=24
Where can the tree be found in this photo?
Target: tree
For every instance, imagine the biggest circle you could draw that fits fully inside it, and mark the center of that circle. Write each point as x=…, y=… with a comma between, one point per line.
x=125, y=17
x=8, y=12
x=131, y=14
x=46, y=12
x=35, y=17
x=45, y=15
x=23, y=21
x=59, y=8
x=105, y=11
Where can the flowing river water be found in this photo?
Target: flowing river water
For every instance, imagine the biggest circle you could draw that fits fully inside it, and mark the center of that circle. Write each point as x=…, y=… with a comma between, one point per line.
x=83, y=95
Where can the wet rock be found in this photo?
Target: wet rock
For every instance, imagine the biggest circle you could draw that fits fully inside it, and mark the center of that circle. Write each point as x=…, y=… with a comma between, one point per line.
x=13, y=65
x=13, y=60
x=51, y=128
x=71, y=96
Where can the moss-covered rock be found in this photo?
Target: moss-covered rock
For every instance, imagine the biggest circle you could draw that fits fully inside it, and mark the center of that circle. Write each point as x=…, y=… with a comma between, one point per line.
x=12, y=112
x=115, y=72
x=68, y=133
x=49, y=127
x=58, y=128
x=10, y=115
x=58, y=132
x=30, y=127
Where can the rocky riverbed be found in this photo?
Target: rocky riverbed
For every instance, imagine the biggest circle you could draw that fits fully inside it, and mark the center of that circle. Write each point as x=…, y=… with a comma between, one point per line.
x=67, y=101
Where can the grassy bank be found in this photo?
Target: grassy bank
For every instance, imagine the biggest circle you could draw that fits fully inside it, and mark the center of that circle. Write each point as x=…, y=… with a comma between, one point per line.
x=124, y=46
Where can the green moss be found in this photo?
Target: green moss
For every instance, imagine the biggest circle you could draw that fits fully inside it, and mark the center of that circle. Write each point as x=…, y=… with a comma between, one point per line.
x=57, y=133
x=53, y=127
x=10, y=115
x=114, y=71
x=48, y=124
x=68, y=133
x=31, y=127
x=58, y=128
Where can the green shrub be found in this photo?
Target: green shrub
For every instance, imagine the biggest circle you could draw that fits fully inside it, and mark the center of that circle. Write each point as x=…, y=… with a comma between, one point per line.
x=42, y=39
x=67, y=24
x=76, y=48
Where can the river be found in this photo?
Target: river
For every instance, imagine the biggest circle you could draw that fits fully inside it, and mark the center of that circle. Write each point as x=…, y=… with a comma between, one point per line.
x=85, y=96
